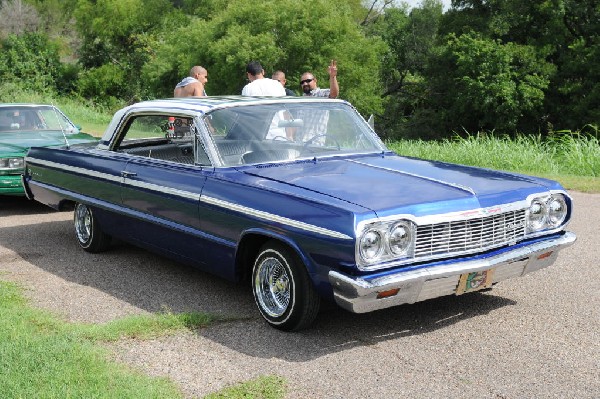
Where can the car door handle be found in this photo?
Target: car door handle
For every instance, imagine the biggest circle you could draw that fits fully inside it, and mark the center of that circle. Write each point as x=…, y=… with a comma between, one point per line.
x=125, y=173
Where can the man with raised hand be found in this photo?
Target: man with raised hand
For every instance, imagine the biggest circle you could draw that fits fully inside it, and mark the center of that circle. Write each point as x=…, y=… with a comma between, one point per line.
x=308, y=83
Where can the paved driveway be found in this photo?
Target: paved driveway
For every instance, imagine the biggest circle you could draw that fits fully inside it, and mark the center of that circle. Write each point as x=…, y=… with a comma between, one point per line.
x=534, y=337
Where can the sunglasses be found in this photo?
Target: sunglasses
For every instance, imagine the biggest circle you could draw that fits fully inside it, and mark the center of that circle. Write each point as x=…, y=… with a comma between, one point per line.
x=305, y=81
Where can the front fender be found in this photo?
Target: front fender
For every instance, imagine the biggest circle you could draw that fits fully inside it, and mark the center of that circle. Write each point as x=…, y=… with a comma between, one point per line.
x=254, y=236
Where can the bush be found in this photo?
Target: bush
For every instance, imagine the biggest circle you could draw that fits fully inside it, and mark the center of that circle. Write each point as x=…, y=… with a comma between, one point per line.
x=105, y=84
x=30, y=59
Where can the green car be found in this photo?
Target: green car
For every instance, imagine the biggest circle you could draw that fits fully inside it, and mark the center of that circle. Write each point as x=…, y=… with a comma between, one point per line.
x=23, y=126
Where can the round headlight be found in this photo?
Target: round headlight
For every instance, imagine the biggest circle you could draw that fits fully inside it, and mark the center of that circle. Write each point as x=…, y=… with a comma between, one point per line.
x=371, y=245
x=537, y=215
x=557, y=211
x=400, y=238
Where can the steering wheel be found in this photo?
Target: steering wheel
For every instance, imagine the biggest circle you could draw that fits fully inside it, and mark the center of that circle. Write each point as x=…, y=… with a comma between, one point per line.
x=314, y=138
x=281, y=138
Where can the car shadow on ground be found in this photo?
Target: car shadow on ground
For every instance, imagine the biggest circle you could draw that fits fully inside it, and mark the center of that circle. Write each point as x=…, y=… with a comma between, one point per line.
x=17, y=205
x=152, y=283
x=337, y=330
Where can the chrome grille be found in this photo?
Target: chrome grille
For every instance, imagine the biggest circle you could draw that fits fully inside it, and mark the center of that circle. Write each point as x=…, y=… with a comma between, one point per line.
x=471, y=235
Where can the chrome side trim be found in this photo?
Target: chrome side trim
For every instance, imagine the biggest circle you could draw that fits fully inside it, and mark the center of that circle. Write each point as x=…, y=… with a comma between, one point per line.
x=162, y=189
x=75, y=169
x=274, y=218
x=359, y=294
x=197, y=197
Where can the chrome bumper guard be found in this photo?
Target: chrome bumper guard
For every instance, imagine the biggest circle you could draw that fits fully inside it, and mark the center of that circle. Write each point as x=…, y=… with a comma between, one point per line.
x=28, y=193
x=360, y=294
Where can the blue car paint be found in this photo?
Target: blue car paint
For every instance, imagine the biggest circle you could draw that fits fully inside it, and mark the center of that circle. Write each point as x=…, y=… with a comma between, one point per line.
x=199, y=215
x=134, y=211
x=282, y=190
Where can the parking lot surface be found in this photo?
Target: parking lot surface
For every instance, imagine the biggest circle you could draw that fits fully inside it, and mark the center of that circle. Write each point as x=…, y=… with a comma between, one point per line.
x=532, y=337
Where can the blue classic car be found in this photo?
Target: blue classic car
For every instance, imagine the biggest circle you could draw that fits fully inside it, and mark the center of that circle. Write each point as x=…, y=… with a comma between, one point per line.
x=299, y=197
x=31, y=125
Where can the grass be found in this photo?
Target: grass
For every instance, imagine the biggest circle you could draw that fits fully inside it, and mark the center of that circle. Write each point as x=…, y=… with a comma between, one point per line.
x=571, y=158
x=265, y=387
x=44, y=357
x=91, y=120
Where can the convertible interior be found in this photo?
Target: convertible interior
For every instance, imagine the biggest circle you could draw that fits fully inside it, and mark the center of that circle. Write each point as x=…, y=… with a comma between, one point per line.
x=250, y=135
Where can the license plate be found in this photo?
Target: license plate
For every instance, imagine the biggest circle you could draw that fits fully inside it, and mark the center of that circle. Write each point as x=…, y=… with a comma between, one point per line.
x=474, y=281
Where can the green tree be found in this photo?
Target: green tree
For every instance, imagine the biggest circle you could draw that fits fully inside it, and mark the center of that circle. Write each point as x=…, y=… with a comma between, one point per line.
x=564, y=32
x=577, y=83
x=118, y=38
x=30, y=59
x=57, y=21
x=411, y=38
x=295, y=36
x=483, y=84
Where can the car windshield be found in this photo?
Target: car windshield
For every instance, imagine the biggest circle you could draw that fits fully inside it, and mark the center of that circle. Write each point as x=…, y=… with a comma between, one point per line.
x=30, y=118
x=289, y=131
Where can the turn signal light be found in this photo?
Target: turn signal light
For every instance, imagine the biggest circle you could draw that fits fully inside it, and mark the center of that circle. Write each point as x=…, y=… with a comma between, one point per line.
x=545, y=255
x=388, y=293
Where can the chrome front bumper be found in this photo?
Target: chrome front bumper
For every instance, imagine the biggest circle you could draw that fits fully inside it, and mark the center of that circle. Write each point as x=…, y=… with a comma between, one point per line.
x=360, y=294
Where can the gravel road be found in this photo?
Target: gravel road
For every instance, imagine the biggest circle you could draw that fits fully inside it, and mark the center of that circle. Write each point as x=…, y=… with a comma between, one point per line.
x=533, y=337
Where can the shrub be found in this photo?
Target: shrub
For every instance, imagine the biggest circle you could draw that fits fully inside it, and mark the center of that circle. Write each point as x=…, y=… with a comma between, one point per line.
x=31, y=59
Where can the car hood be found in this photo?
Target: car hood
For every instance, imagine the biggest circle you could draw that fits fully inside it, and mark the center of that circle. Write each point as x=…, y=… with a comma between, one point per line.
x=390, y=184
x=20, y=142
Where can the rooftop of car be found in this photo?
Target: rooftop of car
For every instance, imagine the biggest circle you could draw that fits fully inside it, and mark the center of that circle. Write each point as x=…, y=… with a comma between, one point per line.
x=205, y=104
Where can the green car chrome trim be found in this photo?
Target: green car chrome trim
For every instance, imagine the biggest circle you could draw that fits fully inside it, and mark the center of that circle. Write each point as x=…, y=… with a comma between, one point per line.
x=194, y=196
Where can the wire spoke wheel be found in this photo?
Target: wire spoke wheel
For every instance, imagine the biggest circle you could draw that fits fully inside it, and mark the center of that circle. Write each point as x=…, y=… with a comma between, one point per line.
x=272, y=287
x=282, y=288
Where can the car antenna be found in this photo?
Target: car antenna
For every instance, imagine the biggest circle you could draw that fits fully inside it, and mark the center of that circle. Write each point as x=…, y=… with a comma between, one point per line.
x=62, y=129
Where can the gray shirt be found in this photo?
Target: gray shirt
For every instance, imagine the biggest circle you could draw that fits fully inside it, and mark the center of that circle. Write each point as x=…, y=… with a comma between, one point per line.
x=318, y=92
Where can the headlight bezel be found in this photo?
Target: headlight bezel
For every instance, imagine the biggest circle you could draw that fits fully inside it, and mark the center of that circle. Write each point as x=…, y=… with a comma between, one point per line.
x=547, y=213
x=387, y=247
x=12, y=163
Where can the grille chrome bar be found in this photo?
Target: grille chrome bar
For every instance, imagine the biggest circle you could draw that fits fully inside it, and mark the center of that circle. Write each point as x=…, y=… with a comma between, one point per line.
x=470, y=235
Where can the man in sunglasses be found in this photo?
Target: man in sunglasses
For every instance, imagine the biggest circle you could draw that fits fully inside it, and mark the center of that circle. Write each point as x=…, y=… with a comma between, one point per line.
x=308, y=83
x=315, y=121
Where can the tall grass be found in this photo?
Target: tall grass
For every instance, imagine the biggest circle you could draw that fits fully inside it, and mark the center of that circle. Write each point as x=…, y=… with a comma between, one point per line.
x=563, y=153
x=577, y=153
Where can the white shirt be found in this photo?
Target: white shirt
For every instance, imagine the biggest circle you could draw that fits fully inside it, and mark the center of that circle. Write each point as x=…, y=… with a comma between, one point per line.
x=264, y=87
